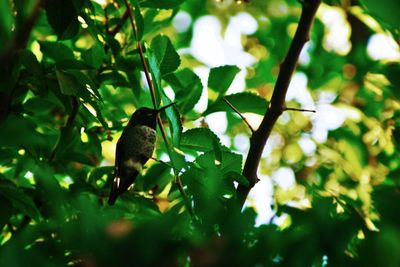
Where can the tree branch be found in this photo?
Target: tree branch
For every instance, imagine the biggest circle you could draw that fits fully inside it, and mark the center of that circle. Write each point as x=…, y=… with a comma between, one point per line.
x=277, y=104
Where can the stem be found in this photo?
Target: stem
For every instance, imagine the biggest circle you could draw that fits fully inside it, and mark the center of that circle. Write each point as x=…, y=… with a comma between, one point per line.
x=277, y=106
x=106, y=19
x=178, y=182
x=238, y=112
x=300, y=109
x=117, y=28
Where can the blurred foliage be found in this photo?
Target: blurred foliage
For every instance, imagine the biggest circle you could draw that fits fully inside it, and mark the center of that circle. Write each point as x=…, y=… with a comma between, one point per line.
x=71, y=76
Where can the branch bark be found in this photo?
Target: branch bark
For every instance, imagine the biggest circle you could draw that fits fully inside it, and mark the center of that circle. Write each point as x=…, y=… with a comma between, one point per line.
x=277, y=103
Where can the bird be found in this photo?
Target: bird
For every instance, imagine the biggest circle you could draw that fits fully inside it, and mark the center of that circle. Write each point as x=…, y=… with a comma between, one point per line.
x=134, y=148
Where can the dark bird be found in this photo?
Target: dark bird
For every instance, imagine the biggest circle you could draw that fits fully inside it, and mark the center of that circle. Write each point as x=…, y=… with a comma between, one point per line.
x=134, y=148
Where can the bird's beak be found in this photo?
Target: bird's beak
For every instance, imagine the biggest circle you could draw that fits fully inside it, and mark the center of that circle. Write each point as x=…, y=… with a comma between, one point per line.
x=164, y=107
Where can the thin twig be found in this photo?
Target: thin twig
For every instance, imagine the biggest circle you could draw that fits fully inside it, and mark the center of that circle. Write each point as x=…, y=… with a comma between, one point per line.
x=302, y=110
x=261, y=135
x=185, y=197
x=164, y=135
x=153, y=98
x=117, y=28
x=106, y=20
x=238, y=112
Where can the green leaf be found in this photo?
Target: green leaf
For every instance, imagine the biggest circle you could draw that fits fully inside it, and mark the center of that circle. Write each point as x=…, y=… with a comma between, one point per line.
x=156, y=75
x=199, y=139
x=228, y=161
x=115, y=78
x=62, y=17
x=187, y=87
x=237, y=177
x=99, y=115
x=19, y=199
x=37, y=105
x=68, y=84
x=94, y=56
x=74, y=82
x=157, y=177
x=174, y=120
x=55, y=50
x=68, y=139
x=86, y=83
x=113, y=44
x=244, y=102
x=6, y=211
x=177, y=159
x=167, y=58
x=20, y=131
x=162, y=4
x=231, y=162
x=98, y=173
x=385, y=10
x=73, y=64
x=48, y=187
x=220, y=78
x=29, y=60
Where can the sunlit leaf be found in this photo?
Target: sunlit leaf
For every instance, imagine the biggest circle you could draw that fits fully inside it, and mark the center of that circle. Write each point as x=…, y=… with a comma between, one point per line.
x=220, y=78
x=167, y=58
x=187, y=87
x=243, y=102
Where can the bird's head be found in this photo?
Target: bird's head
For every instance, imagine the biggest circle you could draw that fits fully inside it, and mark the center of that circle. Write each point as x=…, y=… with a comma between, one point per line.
x=147, y=116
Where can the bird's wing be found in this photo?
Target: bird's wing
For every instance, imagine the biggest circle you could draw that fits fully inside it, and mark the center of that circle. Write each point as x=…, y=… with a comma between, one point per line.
x=115, y=189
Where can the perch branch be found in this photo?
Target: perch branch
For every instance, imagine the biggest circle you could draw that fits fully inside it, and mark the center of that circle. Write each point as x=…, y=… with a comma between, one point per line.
x=277, y=104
